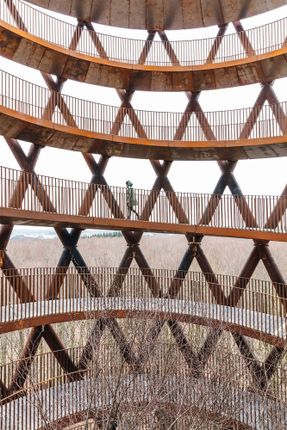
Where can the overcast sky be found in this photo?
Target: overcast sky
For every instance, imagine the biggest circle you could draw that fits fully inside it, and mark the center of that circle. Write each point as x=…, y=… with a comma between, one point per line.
x=267, y=176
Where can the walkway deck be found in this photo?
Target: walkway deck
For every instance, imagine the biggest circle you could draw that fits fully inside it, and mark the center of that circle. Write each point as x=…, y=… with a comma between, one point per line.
x=268, y=328
x=27, y=112
x=56, y=403
x=28, y=199
x=101, y=59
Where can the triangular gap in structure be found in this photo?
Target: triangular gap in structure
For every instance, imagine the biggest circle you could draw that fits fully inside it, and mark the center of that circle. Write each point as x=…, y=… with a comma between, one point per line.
x=8, y=296
x=74, y=287
x=269, y=301
x=192, y=51
x=259, y=348
x=266, y=124
x=25, y=146
x=41, y=371
x=30, y=200
x=107, y=353
x=157, y=54
x=95, y=247
x=226, y=361
x=58, y=117
x=136, y=286
x=230, y=48
x=53, y=199
x=193, y=287
x=137, y=329
x=46, y=276
x=11, y=18
x=275, y=40
x=227, y=213
x=119, y=49
x=12, y=345
x=104, y=202
x=261, y=305
x=228, y=124
x=86, y=44
x=166, y=350
x=226, y=255
x=127, y=129
x=194, y=333
x=192, y=132
x=166, y=207
x=73, y=333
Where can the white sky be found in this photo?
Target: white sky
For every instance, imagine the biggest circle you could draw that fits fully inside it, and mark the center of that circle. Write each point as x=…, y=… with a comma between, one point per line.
x=266, y=176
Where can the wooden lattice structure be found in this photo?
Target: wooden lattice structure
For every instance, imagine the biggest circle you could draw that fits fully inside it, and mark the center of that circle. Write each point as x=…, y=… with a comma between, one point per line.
x=46, y=117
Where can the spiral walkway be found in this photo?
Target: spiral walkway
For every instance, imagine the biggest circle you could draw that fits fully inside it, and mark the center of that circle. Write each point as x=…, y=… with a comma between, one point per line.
x=158, y=14
x=74, y=399
x=258, y=312
x=242, y=406
x=256, y=325
x=51, y=201
x=219, y=135
x=154, y=342
x=84, y=55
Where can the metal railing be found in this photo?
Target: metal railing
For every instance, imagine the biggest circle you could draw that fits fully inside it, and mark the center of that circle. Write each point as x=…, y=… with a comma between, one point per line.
x=38, y=102
x=263, y=39
x=220, y=300
x=222, y=389
x=108, y=361
x=37, y=193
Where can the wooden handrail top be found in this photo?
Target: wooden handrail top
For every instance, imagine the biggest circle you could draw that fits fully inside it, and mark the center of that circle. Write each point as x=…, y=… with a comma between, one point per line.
x=266, y=38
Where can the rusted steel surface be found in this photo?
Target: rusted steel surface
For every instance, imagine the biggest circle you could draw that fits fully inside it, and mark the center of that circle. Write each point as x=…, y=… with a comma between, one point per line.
x=260, y=312
x=52, y=201
x=160, y=14
x=87, y=126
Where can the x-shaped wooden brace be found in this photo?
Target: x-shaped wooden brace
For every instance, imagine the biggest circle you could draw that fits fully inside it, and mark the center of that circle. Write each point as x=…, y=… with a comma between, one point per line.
x=127, y=104
x=126, y=97
x=261, y=374
x=69, y=240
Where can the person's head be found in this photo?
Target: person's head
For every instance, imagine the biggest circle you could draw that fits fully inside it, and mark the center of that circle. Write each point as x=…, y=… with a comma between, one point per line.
x=129, y=184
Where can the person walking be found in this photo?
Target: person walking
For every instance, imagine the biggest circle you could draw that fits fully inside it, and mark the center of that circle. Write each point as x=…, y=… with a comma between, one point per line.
x=130, y=199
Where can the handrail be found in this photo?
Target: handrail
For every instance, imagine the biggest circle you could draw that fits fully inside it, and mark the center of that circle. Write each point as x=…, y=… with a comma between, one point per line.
x=264, y=39
x=38, y=102
x=72, y=198
x=42, y=404
x=47, y=369
x=220, y=299
x=107, y=361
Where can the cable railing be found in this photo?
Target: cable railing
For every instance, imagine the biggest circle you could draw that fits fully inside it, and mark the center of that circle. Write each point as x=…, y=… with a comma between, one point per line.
x=27, y=191
x=223, y=389
x=220, y=299
x=264, y=39
x=38, y=102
